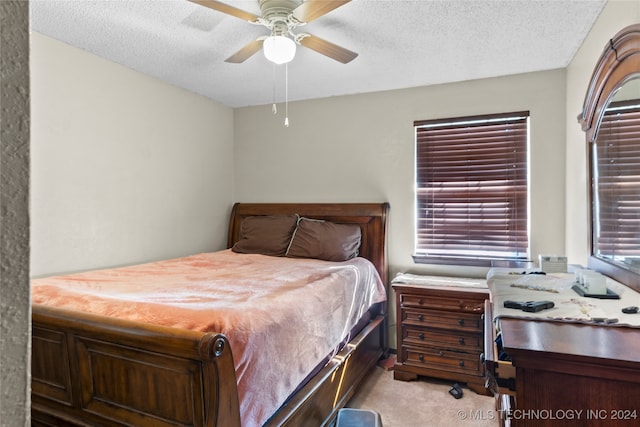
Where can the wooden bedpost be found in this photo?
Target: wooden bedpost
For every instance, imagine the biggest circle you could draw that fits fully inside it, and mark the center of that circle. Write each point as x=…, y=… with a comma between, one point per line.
x=221, y=404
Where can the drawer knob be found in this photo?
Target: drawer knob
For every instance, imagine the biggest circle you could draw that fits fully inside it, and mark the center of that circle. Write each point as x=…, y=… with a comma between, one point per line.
x=461, y=363
x=461, y=322
x=421, y=336
x=461, y=341
x=441, y=353
x=420, y=317
x=421, y=357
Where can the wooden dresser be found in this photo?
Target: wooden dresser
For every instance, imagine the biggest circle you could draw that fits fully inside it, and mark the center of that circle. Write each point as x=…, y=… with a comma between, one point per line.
x=566, y=374
x=440, y=333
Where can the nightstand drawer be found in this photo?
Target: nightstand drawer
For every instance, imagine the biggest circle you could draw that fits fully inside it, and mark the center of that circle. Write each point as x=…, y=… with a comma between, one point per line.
x=443, y=303
x=445, y=340
x=442, y=320
x=451, y=361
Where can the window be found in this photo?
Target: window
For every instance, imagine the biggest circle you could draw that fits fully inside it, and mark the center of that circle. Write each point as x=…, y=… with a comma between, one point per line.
x=472, y=189
x=617, y=183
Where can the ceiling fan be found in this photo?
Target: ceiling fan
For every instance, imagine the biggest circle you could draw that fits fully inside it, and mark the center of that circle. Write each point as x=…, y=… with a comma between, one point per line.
x=282, y=17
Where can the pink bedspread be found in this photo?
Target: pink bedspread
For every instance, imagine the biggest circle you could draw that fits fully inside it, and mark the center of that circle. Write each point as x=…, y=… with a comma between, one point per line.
x=282, y=316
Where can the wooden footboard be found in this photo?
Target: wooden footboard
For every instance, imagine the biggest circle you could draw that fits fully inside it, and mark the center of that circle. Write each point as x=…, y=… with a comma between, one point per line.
x=93, y=371
x=96, y=371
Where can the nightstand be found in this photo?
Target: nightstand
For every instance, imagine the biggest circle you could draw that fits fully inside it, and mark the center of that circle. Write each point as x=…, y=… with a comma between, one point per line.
x=440, y=333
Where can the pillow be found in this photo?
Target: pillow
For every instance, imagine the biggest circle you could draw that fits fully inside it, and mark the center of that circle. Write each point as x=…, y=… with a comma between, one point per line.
x=324, y=240
x=266, y=235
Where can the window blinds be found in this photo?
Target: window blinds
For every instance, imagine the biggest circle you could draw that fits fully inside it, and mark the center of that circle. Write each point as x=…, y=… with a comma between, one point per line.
x=472, y=188
x=616, y=203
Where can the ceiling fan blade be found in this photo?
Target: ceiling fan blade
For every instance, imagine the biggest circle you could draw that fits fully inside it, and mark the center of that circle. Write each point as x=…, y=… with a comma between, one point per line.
x=246, y=52
x=313, y=9
x=329, y=49
x=229, y=10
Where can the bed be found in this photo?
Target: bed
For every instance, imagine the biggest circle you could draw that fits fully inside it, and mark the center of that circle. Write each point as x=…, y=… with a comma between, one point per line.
x=95, y=370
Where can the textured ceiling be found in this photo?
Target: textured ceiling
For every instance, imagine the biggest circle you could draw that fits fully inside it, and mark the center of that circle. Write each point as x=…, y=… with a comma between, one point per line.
x=400, y=43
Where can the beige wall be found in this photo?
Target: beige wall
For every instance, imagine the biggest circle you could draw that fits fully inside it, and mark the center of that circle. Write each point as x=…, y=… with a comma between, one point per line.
x=616, y=15
x=125, y=168
x=361, y=148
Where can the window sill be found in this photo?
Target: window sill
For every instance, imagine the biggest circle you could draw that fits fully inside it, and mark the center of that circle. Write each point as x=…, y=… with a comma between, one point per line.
x=473, y=262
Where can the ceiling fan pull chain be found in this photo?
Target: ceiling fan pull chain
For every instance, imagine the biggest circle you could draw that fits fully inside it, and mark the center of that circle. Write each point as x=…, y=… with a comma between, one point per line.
x=286, y=95
x=274, y=109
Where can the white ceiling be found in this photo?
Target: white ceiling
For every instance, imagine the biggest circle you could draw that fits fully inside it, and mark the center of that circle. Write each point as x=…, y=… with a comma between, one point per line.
x=400, y=43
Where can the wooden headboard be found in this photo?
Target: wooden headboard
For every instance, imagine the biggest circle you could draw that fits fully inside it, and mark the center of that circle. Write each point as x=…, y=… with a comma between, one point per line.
x=371, y=217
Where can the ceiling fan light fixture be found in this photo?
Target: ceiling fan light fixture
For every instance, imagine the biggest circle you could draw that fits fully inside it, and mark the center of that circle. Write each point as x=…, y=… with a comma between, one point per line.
x=279, y=49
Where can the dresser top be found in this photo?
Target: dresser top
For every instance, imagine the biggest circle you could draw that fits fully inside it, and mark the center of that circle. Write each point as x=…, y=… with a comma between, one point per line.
x=612, y=345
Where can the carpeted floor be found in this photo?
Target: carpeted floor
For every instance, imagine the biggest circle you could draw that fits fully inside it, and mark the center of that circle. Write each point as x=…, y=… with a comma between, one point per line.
x=422, y=403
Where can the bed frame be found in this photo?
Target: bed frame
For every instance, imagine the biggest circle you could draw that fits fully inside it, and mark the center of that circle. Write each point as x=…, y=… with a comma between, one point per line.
x=90, y=370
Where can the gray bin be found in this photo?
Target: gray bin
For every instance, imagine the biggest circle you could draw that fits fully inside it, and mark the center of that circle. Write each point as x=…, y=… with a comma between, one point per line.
x=348, y=417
